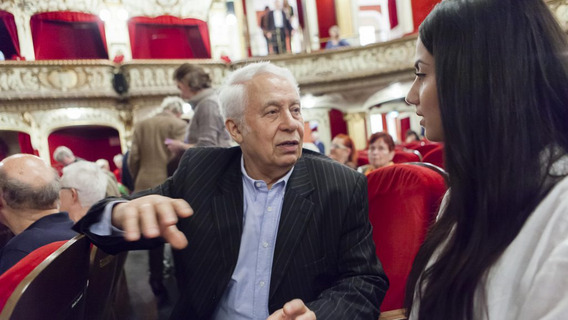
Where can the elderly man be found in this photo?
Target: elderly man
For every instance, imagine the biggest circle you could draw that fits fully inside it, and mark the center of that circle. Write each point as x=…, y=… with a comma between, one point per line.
x=64, y=155
x=271, y=231
x=83, y=184
x=29, y=196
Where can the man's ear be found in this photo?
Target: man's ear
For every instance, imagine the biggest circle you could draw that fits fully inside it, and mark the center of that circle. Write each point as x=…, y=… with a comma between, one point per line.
x=75, y=195
x=234, y=130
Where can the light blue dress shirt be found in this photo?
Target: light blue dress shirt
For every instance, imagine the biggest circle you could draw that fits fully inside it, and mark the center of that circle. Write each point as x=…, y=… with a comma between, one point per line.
x=246, y=296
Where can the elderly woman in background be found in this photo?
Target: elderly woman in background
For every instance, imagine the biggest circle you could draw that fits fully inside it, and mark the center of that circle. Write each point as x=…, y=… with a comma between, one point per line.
x=343, y=150
x=381, y=152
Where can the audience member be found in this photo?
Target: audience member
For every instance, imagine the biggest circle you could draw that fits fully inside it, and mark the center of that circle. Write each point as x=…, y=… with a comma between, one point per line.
x=206, y=128
x=278, y=26
x=83, y=183
x=148, y=161
x=334, y=39
x=343, y=151
x=272, y=230
x=117, y=160
x=29, y=196
x=288, y=10
x=319, y=144
x=126, y=178
x=103, y=164
x=491, y=84
x=381, y=152
x=113, y=188
x=64, y=156
x=411, y=136
x=264, y=27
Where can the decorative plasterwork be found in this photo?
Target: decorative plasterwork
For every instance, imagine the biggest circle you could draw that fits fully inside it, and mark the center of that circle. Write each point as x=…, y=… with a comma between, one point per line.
x=178, y=8
x=43, y=123
x=15, y=121
x=157, y=78
x=22, y=80
x=31, y=7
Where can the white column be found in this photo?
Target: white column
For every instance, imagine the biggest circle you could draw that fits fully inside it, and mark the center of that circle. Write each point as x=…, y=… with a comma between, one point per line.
x=25, y=35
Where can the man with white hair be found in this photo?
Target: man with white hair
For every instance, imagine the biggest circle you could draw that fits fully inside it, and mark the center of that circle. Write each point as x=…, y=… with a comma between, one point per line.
x=272, y=231
x=83, y=183
x=29, y=196
x=64, y=155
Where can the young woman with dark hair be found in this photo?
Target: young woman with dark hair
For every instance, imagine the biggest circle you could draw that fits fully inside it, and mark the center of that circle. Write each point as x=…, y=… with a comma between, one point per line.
x=491, y=83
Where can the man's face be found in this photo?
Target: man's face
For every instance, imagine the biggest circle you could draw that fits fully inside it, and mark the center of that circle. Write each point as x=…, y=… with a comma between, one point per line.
x=185, y=91
x=273, y=129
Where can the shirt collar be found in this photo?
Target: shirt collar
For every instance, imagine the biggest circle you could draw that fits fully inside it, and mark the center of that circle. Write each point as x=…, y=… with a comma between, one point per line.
x=252, y=183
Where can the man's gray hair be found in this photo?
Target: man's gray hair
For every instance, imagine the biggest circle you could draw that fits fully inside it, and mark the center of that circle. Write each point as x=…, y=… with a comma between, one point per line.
x=87, y=179
x=232, y=94
x=22, y=196
x=173, y=104
x=62, y=152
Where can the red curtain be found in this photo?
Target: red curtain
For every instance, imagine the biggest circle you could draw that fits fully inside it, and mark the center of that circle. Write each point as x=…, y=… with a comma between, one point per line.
x=9, y=44
x=336, y=122
x=89, y=143
x=68, y=35
x=420, y=9
x=168, y=37
x=26, y=144
x=326, y=18
x=393, y=14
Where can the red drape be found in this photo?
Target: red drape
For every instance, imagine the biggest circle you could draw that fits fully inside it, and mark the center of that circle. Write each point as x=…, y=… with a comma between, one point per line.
x=393, y=15
x=26, y=144
x=68, y=35
x=336, y=122
x=420, y=9
x=9, y=44
x=89, y=143
x=168, y=37
x=326, y=18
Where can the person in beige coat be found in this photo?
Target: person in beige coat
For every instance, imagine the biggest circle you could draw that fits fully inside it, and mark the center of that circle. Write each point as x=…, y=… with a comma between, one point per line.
x=147, y=163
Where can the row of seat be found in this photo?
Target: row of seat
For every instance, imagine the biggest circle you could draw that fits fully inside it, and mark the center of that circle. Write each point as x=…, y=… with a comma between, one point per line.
x=431, y=153
x=403, y=202
x=63, y=280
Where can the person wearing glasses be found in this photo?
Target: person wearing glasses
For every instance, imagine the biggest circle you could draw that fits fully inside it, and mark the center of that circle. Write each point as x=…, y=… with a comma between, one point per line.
x=381, y=152
x=83, y=183
x=29, y=200
x=343, y=151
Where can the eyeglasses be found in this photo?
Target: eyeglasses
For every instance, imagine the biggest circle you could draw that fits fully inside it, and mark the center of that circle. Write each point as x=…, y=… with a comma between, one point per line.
x=69, y=188
x=338, y=146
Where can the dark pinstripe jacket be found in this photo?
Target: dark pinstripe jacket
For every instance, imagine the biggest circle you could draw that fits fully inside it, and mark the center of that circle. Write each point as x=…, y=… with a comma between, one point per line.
x=324, y=251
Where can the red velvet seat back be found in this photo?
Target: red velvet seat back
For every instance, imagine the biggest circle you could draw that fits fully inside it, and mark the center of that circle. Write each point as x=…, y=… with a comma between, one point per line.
x=403, y=156
x=10, y=279
x=362, y=157
x=403, y=201
x=435, y=157
x=424, y=149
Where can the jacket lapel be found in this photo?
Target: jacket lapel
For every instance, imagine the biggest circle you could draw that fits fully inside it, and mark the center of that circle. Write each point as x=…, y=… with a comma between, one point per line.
x=296, y=212
x=227, y=209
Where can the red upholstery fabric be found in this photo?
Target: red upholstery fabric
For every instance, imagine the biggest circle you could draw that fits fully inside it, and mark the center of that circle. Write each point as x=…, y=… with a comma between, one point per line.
x=10, y=279
x=435, y=157
x=168, y=37
x=425, y=148
x=362, y=157
x=403, y=156
x=403, y=200
x=79, y=36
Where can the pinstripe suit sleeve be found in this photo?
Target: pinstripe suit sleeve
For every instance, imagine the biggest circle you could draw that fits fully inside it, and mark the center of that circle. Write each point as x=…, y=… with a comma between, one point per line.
x=361, y=287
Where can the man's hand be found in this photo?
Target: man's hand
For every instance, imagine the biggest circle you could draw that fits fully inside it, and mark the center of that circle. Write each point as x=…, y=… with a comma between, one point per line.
x=152, y=216
x=176, y=146
x=293, y=310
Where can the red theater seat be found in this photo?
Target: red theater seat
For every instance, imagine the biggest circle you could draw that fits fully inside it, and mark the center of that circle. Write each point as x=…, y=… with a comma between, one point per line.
x=435, y=157
x=404, y=156
x=403, y=201
x=49, y=283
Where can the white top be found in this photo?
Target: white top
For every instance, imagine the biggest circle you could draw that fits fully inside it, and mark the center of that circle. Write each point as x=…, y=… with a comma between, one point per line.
x=530, y=280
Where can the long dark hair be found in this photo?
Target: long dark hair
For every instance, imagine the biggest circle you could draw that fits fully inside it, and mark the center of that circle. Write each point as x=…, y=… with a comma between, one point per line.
x=501, y=73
